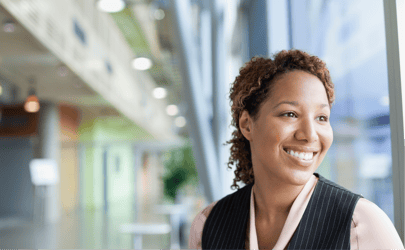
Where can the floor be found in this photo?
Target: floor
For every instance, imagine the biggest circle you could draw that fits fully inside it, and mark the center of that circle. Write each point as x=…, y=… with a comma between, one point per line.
x=84, y=230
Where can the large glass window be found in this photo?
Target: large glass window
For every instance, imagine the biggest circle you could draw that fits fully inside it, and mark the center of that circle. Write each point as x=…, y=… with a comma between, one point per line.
x=350, y=37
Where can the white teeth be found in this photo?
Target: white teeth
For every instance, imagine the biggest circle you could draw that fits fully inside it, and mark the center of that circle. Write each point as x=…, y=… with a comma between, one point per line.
x=301, y=155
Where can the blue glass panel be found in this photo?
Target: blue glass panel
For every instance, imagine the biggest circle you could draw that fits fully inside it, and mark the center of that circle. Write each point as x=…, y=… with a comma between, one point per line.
x=350, y=37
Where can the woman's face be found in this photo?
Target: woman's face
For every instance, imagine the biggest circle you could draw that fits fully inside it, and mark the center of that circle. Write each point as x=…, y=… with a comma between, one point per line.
x=291, y=134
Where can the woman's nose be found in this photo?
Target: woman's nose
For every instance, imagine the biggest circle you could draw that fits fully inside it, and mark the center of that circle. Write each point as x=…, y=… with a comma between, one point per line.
x=306, y=131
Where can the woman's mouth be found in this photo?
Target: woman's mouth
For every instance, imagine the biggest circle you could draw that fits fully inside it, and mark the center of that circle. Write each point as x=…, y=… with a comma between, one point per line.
x=299, y=155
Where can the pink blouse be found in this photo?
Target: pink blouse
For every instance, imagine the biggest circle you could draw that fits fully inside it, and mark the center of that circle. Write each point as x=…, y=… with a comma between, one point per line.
x=370, y=229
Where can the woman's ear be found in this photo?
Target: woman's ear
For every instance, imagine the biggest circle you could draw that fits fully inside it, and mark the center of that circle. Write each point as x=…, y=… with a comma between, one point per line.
x=245, y=125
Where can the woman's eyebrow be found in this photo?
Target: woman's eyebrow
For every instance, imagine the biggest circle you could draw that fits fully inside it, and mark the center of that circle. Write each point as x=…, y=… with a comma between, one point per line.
x=294, y=103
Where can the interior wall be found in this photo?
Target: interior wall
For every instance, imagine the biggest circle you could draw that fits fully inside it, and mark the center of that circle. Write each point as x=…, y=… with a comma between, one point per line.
x=101, y=135
x=120, y=169
x=69, y=167
x=17, y=192
x=69, y=177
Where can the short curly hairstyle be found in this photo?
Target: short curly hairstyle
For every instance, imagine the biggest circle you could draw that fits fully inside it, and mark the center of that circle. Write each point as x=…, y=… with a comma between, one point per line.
x=252, y=87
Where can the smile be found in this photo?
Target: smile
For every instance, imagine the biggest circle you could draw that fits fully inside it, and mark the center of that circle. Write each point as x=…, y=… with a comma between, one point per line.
x=304, y=157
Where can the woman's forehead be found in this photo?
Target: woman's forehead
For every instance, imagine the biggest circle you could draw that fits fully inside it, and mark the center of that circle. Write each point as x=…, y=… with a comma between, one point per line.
x=296, y=88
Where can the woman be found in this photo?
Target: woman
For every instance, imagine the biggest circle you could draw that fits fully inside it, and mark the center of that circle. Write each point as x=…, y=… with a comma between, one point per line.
x=281, y=112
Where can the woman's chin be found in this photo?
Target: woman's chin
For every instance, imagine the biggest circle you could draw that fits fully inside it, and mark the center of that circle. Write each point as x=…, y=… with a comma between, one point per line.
x=300, y=177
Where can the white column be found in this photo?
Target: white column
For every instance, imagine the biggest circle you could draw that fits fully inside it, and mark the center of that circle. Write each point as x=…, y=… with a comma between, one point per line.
x=49, y=147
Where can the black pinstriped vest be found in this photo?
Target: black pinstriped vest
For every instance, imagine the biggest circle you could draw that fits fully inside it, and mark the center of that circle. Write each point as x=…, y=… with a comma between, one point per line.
x=325, y=223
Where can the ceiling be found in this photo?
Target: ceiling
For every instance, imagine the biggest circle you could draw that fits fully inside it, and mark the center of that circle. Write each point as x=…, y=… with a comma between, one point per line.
x=23, y=57
x=148, y=36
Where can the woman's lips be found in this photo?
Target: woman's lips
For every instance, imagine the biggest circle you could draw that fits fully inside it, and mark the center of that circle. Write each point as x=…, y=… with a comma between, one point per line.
x=299, y=161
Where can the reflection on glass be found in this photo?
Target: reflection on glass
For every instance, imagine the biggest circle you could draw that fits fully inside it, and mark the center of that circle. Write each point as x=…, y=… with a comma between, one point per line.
x=350, y=37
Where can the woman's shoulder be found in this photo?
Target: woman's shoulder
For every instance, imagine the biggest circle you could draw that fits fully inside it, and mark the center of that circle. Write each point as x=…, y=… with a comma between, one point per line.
x=373, y=227
x=368, y=212
x=206, y=211
x=198, y=225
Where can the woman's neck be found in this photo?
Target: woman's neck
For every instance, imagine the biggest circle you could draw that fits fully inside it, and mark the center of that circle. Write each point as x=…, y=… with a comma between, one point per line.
x=274, y=199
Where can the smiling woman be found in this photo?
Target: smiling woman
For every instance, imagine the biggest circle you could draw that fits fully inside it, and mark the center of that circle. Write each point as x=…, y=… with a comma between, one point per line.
x=252, y=89
x=290, y=134
x=281, y=110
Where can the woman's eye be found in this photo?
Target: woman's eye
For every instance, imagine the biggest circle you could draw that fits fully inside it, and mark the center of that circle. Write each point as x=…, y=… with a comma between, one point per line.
x=323, y=118
x=289, y=114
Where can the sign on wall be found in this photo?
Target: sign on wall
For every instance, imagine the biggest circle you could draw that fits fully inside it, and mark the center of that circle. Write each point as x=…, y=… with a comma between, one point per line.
x=44, y=172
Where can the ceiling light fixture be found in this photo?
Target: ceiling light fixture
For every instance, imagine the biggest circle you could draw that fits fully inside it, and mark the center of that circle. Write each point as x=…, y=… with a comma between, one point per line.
x=159, y=93
x=110, y=6
x=142, y=63
x=180, y=121
x=172, y=110
x=159, y=14
x=31, y=104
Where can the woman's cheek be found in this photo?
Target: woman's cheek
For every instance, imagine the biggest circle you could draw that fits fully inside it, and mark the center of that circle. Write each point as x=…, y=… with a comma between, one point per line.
x=327, y=137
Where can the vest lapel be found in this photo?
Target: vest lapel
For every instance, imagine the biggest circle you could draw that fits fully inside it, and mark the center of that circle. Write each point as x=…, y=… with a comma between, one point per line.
x=326, y=221
x=225, y=227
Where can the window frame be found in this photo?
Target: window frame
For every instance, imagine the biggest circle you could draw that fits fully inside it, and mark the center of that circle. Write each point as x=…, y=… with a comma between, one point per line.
x=394, y=23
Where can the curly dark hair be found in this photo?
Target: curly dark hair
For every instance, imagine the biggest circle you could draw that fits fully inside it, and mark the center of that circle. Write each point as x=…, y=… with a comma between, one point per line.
x=252, y=87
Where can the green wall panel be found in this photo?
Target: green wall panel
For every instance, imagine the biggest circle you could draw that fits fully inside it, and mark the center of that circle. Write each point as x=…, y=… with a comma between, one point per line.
x=114, y=134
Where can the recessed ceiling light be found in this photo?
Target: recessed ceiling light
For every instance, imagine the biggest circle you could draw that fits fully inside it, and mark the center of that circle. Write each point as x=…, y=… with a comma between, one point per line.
x=142, y=63
x=180, y=121
x=172, y=110
x=159, y=93
x=110, y=6
x=159, y=14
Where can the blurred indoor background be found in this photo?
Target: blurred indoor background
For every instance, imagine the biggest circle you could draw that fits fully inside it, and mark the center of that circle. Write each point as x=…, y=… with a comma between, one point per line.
x=114, y=113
